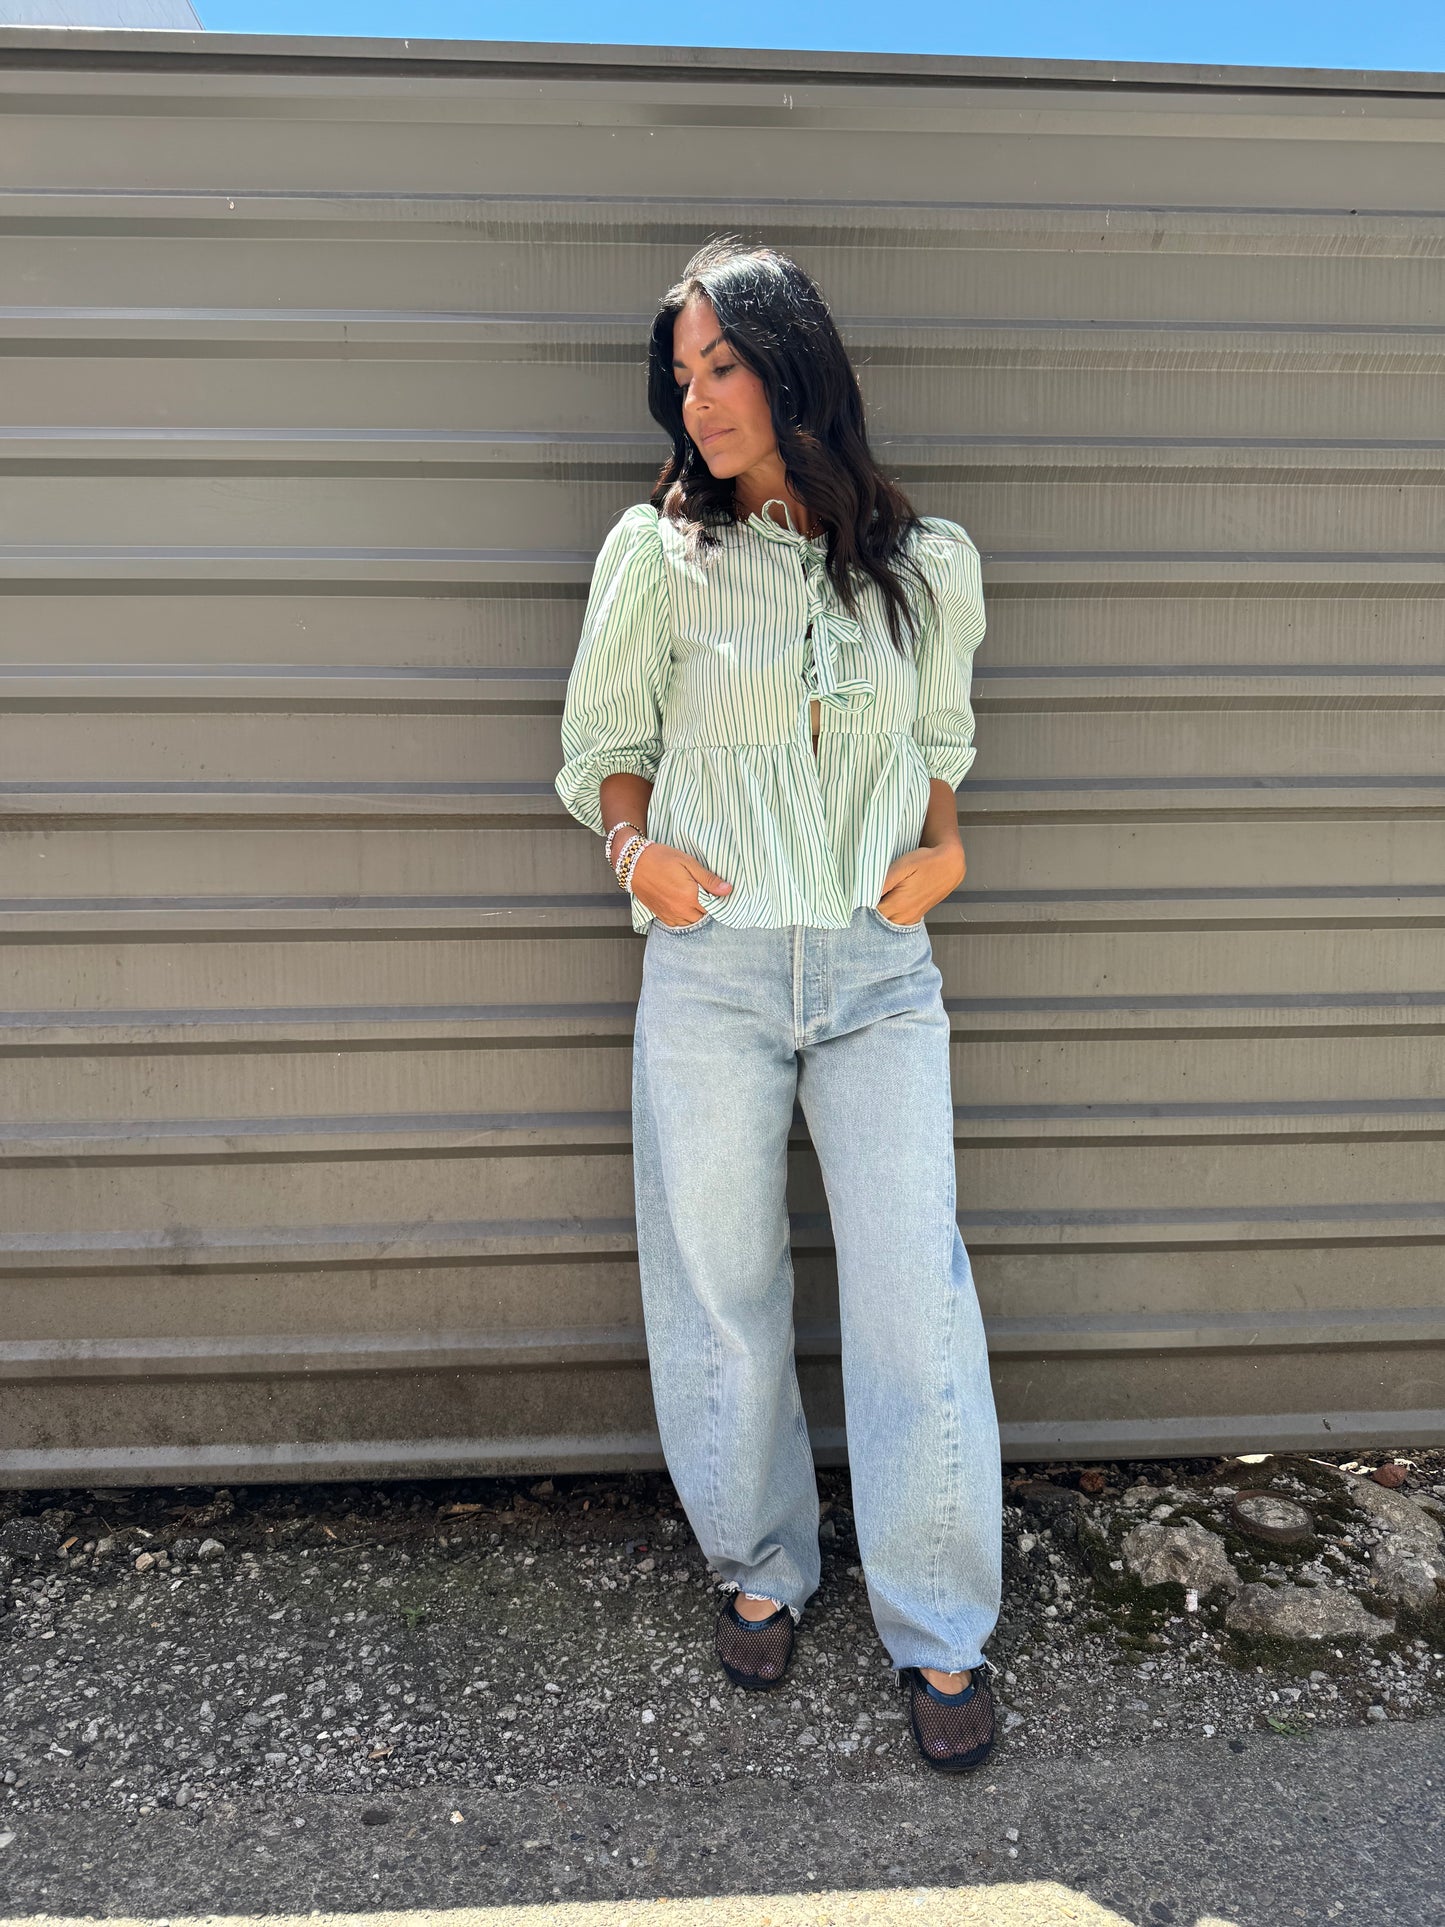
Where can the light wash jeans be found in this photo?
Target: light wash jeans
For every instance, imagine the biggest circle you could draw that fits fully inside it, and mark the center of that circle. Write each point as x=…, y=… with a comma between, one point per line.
x=733, y=1024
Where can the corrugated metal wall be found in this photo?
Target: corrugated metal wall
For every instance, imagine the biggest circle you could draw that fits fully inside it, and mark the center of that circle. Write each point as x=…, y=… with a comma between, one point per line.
x=320, y=376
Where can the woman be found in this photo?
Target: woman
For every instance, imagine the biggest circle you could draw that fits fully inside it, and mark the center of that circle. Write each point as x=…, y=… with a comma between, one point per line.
x=767, y=720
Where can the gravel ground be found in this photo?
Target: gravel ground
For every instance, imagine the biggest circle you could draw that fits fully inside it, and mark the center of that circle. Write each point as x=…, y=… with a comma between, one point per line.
x=180, y=1649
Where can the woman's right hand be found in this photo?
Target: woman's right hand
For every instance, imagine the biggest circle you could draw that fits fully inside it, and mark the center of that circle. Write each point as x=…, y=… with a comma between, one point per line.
x=665, y=880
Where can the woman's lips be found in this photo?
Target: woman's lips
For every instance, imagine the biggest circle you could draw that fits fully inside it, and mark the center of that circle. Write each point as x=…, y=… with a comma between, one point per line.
x=716, y=436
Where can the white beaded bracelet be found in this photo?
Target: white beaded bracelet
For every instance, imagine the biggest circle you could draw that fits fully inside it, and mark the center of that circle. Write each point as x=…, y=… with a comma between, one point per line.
x=623, y=825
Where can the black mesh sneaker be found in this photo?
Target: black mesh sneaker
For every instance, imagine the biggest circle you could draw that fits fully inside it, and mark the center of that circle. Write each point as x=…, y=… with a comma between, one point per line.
x=754, y=1653
x=954, y=1731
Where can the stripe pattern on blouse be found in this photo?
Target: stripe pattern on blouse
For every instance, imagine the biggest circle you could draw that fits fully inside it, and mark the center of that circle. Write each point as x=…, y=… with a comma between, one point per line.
x=699, y=675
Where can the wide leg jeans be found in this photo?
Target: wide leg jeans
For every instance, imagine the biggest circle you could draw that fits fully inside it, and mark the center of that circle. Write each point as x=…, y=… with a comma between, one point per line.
x=735, y=1026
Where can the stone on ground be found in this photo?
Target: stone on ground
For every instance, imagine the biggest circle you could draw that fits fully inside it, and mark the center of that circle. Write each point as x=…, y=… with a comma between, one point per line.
x=1304, y=1612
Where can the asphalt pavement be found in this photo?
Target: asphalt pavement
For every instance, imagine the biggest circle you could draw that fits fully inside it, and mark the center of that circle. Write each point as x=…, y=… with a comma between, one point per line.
x=1343, y=1825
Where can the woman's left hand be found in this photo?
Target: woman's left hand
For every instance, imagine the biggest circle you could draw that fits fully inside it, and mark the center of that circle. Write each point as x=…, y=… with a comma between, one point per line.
x=918, y=879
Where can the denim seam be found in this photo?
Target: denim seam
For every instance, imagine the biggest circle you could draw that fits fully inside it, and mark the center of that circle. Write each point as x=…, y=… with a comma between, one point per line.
x=714, y=1414
x=950, y=1446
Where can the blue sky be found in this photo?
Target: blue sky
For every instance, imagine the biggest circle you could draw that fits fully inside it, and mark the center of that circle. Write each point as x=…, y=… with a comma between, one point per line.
x=1273, y=33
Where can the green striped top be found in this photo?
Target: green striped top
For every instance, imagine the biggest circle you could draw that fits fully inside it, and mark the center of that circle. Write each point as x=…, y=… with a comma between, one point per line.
x=699, y=675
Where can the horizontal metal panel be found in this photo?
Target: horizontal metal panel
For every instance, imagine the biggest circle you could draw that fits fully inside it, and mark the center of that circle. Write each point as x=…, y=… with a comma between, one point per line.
x=326, y=384
x=1024, y=504
x=238, y=1430
x=221, y=970
x=1257, y=271
x=1184, y=382
x=222, y=1204
x=1278, y=622
x=1087, y=854
x=1120, y=1287
x=262, y=1355
x=177, y=1033
x=542, y=1079
x=173, y=689
x=870, y=148
x=480, y=765
x=298, y=1460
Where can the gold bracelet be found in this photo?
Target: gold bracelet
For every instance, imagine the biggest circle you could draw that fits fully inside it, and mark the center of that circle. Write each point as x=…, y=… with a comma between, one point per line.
x=627, y=849
x=621, y=858
x=629, y=861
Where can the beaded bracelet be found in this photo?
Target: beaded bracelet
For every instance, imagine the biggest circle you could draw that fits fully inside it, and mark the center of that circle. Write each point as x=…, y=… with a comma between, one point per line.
x=623, y=825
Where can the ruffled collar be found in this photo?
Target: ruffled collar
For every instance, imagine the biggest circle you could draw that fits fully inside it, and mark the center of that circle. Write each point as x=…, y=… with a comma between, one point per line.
x=829, y=629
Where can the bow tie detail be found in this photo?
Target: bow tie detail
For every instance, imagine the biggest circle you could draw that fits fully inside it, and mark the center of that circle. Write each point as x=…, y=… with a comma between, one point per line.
x=830, y=627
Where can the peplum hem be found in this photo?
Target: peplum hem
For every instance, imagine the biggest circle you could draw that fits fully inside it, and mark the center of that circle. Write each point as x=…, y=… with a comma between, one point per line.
x=737, y=807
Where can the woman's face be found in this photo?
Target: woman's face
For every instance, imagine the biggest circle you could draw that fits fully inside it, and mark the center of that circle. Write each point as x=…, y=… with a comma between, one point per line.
x=724, y=406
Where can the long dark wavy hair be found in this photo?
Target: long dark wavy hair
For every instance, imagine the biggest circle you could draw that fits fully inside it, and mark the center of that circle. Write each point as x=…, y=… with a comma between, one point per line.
x=777, y=323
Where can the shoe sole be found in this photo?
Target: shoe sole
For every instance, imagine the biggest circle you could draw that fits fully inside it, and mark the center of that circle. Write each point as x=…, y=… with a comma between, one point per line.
x=753, y=1682
x=957, y=1762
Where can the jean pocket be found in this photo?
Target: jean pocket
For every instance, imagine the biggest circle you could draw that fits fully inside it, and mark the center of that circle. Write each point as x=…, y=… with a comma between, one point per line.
x=682, y=929
x=879, y=917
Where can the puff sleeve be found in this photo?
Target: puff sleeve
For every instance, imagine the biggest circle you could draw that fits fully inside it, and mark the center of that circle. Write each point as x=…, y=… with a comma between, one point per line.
x=612, y=712
x=943, y=724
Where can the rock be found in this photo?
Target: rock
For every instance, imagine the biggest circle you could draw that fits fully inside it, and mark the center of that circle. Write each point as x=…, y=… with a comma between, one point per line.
x=210, y=1549
x=28, y=1538
x=1411, y=1554
x=1304, y=1612
x=1390, y=1474
x=1376, y=1713
x=1187, y=1555
x=1394, y=1511
x=144, y=1561
x=1092, y=1480
x=1405, y=1573
x=1056, y=1501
